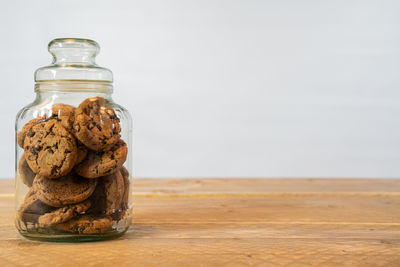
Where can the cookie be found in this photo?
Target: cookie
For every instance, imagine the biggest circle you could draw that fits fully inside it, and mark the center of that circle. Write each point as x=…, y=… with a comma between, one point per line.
x=32, y=208
x=50, y=150
x=25, y=172
x=82, y=152
x=69, y=189
x=63, y=214
x=125, y=198
x=120, y=213
x=65, y=114
x=25, y=129
x=97, y=164
x=108, y=195
x=96, y=124
x=86, y=224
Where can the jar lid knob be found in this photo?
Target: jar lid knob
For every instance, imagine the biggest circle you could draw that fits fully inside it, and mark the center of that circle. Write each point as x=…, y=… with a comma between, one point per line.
x=73, y=60
x=73, y=50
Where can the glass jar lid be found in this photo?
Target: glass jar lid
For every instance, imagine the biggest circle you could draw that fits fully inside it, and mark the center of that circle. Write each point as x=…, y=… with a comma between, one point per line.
x=73, y=60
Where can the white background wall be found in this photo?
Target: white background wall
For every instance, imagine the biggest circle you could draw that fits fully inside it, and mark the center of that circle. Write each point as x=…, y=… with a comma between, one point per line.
x=229, y=88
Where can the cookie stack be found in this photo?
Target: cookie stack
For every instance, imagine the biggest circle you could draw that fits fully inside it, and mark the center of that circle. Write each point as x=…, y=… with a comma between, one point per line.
x=73, y=164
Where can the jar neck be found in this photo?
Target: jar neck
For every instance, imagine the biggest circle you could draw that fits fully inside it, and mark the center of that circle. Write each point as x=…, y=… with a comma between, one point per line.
x=74, y=87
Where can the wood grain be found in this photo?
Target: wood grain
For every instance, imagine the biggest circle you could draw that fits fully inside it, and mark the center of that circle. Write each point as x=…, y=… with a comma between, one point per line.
x=234, y=222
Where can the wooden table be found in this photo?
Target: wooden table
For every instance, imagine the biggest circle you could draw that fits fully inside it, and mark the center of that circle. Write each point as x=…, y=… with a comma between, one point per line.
x=234, y=222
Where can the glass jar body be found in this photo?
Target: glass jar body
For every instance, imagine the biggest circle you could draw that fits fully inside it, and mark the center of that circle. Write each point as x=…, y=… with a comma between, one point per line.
x=67, y=187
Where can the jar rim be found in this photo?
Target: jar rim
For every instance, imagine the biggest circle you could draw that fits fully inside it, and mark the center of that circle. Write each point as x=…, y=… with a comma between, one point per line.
x=74, y=86
x=72, y=40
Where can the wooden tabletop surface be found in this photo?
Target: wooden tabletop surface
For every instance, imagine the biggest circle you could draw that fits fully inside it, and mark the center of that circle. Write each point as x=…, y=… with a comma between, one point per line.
x=234, y=222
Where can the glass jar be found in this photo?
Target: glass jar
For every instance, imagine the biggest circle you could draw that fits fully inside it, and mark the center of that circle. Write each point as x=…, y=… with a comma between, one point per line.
x=73, y=151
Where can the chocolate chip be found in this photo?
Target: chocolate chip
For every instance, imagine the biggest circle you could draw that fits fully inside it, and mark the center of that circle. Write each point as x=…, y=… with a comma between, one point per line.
x=91, y=125
x=30, y=133
x=54, y=169
x=113, y=117
x=37, y=149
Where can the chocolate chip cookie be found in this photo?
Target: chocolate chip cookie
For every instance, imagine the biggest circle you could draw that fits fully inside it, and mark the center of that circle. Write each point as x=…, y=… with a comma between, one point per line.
x=69, y=189
x=25, y=172
x=25, y=129
x=32, y=208
x=99, y=164
x=50, y=150
x=125, y=198
x=120, y=213
x=65, y=114
x=86, y=224
x=108, y=195
x=96, y=124
x=63, y=214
